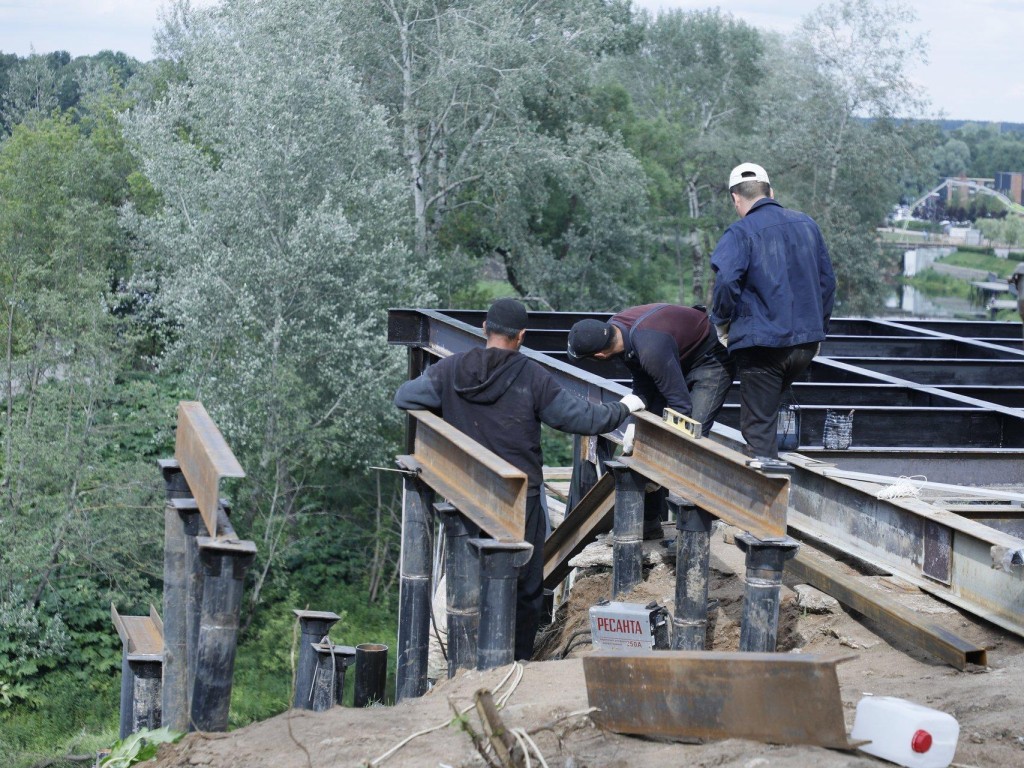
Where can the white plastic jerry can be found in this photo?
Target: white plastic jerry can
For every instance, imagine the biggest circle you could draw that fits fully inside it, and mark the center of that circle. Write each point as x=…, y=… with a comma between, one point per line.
x=905, y=733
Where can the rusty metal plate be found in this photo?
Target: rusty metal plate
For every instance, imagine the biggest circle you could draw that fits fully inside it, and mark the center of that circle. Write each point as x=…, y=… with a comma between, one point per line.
x=769, y=697
x=480, y=484
x=893, y=619
x=204, y=458
x=712, y=476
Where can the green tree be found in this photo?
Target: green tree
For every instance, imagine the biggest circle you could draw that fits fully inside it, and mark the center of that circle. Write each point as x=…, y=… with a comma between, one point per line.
x=953, y=158
x=694, y=82
x=71, y=489
x=277, y=246
x=830, y=132
x=483, y=95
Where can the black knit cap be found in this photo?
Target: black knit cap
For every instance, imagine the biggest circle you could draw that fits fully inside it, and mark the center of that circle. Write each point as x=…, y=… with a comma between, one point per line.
x=506, y=316
x=589, y=337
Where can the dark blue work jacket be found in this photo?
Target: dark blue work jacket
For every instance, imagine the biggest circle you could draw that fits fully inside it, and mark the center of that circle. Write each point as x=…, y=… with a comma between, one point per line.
x=774, y=283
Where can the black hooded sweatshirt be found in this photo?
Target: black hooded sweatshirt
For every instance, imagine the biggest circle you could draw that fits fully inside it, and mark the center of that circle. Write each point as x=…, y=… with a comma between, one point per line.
x=499, y=398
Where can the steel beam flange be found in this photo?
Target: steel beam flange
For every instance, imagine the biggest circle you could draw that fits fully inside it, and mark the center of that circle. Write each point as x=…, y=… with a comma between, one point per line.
x=712, y=476
x=480, y=484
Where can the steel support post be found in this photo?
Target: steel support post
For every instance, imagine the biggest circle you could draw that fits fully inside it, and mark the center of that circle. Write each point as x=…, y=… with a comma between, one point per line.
x=313, y=628
x=140, y=694
x=414, y=590
x=146, y=685
x=329, y=675
x=181, y=570
x=175, y=485
x=224, y=564
x=628, y=529
x=693, y=553
x=195, y=527
x=127, y=689
x=765, y=561
x=500, y=562
x=371, y=674
x=462, y=587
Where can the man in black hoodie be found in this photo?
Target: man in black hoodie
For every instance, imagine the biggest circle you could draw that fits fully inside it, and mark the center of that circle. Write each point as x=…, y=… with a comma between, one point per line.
x=499, y=397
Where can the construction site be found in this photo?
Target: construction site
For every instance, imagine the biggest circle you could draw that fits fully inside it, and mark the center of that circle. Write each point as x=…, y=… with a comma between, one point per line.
x=884, y=559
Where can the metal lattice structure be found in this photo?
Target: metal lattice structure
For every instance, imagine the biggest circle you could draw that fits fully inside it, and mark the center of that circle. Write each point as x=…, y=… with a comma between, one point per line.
x=938, y=399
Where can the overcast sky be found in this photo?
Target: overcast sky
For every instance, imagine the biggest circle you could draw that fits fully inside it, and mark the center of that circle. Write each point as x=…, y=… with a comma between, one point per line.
x=975, y=71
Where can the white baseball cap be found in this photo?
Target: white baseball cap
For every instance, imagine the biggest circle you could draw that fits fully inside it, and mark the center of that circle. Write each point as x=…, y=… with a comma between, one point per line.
x=747, y=172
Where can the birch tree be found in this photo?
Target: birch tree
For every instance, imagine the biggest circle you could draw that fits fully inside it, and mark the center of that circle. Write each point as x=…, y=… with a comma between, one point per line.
x=277, y=248
x=695, y=75
x=830, y=124
x=481, y=94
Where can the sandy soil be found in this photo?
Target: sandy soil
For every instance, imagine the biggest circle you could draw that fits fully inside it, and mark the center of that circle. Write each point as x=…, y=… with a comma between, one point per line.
x=551, y=694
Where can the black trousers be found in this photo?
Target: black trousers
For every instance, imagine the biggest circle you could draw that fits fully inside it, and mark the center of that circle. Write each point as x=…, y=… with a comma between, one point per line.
x=764, y=374
x=530, y=586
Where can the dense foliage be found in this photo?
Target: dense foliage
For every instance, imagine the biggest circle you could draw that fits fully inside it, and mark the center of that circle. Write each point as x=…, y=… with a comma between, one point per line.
x=231, y=221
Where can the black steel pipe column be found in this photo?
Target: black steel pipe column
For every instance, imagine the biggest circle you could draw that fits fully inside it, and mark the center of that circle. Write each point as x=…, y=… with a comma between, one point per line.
x=140, y=705
x=181, y=526
x=224, y=564
x=628, y=529
x=462, y=587
x=693, y=554
x=765, y=561
x=414, y=590
x=500, y=562
x=371, y=674
x=313, y=627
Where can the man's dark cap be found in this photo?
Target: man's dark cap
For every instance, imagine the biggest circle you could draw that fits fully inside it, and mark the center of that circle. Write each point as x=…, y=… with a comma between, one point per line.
x=588, y=337
x=506, y=316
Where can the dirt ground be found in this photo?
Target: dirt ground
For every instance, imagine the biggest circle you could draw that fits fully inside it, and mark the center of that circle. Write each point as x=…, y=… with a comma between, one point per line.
x=550, y=699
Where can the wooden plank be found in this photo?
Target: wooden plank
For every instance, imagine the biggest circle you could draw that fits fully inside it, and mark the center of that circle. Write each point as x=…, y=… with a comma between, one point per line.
x=893, y=619
x=480, y=484
x=769, y=697
x=204, y=457
x=593, y=515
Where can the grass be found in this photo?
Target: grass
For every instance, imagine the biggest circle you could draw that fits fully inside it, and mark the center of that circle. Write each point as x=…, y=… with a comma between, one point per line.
x=990, y=263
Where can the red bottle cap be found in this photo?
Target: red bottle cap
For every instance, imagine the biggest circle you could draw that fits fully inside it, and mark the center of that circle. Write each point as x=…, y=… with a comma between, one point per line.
x=921, y=741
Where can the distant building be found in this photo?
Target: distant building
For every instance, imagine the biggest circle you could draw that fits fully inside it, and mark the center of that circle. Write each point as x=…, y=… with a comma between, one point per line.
x=959, y=190
x=1011, y=184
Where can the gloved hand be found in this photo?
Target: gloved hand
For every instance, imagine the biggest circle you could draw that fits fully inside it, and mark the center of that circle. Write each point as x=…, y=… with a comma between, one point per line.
x=723, y=333
x=627, y=439
x=633, y=402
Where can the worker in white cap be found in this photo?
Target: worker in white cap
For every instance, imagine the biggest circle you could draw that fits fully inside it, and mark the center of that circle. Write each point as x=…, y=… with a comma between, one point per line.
x=774, y=290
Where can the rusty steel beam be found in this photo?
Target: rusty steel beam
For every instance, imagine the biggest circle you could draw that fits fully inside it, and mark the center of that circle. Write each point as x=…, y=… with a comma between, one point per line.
x=481, y=485
x=205, y=459
x=769, y=697
x=893, y=619
x=712, y=476
x=593, y=515
x=142, y=636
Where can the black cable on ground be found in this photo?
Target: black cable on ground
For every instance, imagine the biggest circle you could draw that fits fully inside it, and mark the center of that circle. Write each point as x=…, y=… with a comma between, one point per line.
x=569, y=646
